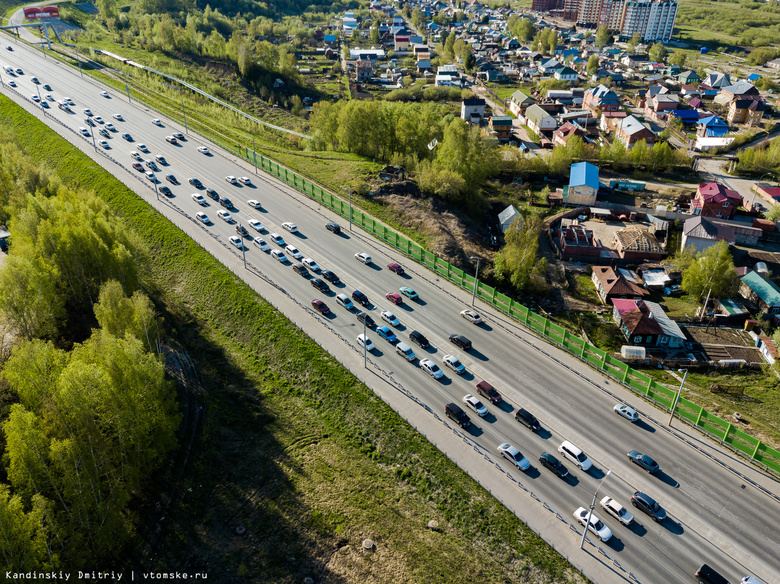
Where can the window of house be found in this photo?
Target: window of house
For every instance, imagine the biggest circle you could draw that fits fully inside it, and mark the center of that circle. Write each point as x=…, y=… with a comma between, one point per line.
x=720, y=213
x=725, y=204
x=638, y=339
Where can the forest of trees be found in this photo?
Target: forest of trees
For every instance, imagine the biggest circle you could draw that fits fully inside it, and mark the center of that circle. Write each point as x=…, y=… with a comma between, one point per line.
x=87, y=412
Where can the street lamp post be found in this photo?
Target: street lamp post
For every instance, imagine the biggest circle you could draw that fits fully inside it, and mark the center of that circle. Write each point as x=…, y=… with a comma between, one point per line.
x=592, y=505
x=677, y=397
x=350, y=205
x=476, y=276
x=254, y=153
x=127, y=87
x=92, y=133
x=365, y=343
x=243, y=250
x=181, y=100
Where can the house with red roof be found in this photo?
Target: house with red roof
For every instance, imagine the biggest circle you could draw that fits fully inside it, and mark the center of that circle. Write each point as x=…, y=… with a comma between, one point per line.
x=715, y=200
x=611, y=284
x=645, y=324
x=562, y=135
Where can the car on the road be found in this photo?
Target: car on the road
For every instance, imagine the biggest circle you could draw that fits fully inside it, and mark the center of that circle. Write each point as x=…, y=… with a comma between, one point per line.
x=171, y=179
x=203, y=150
x=311, y=264
x=157, y=122
x=320, y=307
x=386, y=334
x=244, y=180
x=237, y=241
x=99, y=120
x=35, y=80
x=331, y=277
x=300, y=269
x=395, y=267
x=195, y=182
x=514, y=456
x=49, y=97
x=127, y=137
x=612, y=507
x=202, y=217
x=460, y=341
x=596, y=526
x=486, y=390
x=476, y=405
x=431, y=368
x=151, y=165
x=452, y=411
x=471, y=316
x=334, y=227
x=231, y=179
x=19, y=71
x=225, y=202
x=161, y=159
x=151, y=176
x=627, y=412
x=104, y=94
x=225, y=216
x=166, y=191
x=47, y=87
x=394, y=297
x=419, y=339
x=644, y=461
x=212, y=194
x=35, y=98
x=409, y=293
x=365, y=318
x=277, y=239
x=254, y=204
x=87, y=112
x=363, y=257
x=279, y=256
x=241, y=230
x=118, y=117
x=360, y=297
x=364, y=341
x=142, y=148
x=88, y=121
x=9, y=47
x=390, y=318
x=84, y=131
x=171, y=140
x=291, y=227
x=320, y=285
x=646, y=504
x=575, y=455
x=69, y=101
x=527, y=419
x=138, y=166
x=554, y=465
x=103, y=144
x=178, y=136
x=45, y=104
x=293, y=251
x=12, y=83
x=454, y=363
x=255, y=224
x=344, y=300
x=259, y=242
x=103, y=132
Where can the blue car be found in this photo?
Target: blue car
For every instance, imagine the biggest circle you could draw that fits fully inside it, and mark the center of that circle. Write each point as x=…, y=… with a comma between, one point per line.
x=386, y=334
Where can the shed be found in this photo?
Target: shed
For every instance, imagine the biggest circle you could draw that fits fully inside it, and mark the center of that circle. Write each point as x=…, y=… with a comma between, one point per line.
x=506, y=217
x=583, y=184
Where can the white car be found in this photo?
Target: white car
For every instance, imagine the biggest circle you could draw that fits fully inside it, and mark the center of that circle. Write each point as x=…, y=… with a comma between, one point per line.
x=431, y=368
x=151, y=176
x=203, y=150
x=202, y=217
x=627, y=412
x=136, y=155
x=87, y=112
x=157, y=122
x=364, y=341
x=261, y=244
x=311, y=264
x=224, y=215
x=35, y=98
x=103, y=143
x=255, y=224
x=84, y=131
x=277, y=239
x=118, y=117
x=473, y=403
x=575, y=455
x=69, y=101
x=244, y=180
x=99, y=120
x=254, y=204
x=617, y=510
x=279, y=255
x=596, y=526
x=235, y=240
x=471, y=316
x=161, y=159
x=199, y=199
x=291, y=227
x=171, y=139
x=454, y=363
x=110, y=126
x=48, y=97
x=363, y=257
x=104, y=93
x=514, y=456
x=142, y=148
x=231, y=179
x=390, y=318
x=293, y=251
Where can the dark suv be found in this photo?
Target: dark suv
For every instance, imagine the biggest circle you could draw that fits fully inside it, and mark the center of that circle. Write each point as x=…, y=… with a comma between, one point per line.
x=706, y=575
x=647, y=504
x=334, y=227
x=241, y=230
x=212, y=193
x=453, y=412
x=363, y=317
x=320, y=285
x=460, y=341
x=419, y=338
x=330, y=277
x=225, y=202
x=487, y=390
x=358, y=296
x=526, y=418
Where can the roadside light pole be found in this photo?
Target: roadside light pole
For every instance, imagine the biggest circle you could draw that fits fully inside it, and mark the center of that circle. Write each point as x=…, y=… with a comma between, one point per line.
x=184, y=113
x=127, y=88
x=254, y=153
x=592, y=505
x=350, y=205
x=365, y=344
x=677, y=397
x=243, y=250
x=476, y=276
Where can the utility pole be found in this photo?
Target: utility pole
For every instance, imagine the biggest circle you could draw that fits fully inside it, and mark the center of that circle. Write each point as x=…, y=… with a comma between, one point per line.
x=476, y=277
x=677, y=397
x=254, y=153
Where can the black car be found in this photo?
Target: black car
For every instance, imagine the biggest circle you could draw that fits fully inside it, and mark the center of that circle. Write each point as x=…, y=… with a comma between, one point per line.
x=644, y=461
x=330, y=277
x=196, y=183
x=212, y=193
x=647, y=504
x=166, y=191
x=241, y=230
x=358, y=296
x=47, y=87
x=225, y=202
x=549, y=462
x=527, y=419
x=171, y=179
x=334, y=227
x=455, y=413
x=708, y=575
x=419, y=338
x=460, y=341
x=320, y=285
x=363, y=317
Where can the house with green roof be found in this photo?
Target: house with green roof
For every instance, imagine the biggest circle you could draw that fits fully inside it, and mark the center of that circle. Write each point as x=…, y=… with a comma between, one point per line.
x=519, y=102
x=689, y=78
x=762, y=292
x=539, y=120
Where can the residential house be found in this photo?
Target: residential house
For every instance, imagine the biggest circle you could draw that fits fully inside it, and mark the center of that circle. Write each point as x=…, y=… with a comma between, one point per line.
x=562, y=135
x=773, y=64
x=630, y=131
x=645, y=324
x=330, y=40
x=472, y=109
x=712, y=126
x=539, y=120
x=762, y=292
x=424, y=66
x=511, y=44
x=610, y=120
x=746, y=111
x=689, y=91
x=583, y=185
x=768, y=191
x=634, y=61
x=519, y=102
x=662, y=103
x=549, y=67
x=715, y=200
x=741, y=90
x=610, y=284
x=577, y=242
x=717, y=80
x=506, y=217
x=364, y=70
x=566, y=74
x=633, y=243
x=401, y=42
x=601, y=98
x=501, y=127
x=701, y=233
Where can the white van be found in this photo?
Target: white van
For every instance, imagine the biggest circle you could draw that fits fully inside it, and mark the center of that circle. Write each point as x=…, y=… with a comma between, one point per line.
x=574, y=454
x=405, y=351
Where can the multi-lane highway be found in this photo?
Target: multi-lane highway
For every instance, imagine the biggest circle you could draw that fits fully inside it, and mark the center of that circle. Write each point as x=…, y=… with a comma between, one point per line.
x=716, y=515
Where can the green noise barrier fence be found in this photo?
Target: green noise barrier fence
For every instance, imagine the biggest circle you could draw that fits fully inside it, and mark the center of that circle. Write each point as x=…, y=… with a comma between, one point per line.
x=638, y=381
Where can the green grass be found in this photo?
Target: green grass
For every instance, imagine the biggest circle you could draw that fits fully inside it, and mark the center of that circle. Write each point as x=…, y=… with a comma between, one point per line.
x=293, y=447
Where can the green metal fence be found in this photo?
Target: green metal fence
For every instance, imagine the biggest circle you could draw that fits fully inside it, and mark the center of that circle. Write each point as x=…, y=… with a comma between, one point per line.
x=638, y=381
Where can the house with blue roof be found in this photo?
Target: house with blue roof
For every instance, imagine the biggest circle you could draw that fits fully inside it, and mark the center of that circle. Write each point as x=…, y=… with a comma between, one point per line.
x=712, y=126
x=753, y=77
x=583, y=185
x=687, y=116
x=761, y=292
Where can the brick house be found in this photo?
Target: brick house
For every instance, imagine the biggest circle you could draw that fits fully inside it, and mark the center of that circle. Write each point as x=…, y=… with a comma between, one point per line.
x=645, y=324
x=563, y=134
x=601, y=98
x=630, y=131
x=611, y=284
x=746, y=111
x=715, y=200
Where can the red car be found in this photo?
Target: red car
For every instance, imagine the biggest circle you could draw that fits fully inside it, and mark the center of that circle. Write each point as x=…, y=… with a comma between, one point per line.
x=321, y=307
x=394, y=297
x=393, y=267
x=138, y=166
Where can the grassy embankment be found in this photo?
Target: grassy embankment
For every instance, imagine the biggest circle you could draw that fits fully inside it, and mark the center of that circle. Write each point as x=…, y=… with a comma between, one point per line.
x=293, y=447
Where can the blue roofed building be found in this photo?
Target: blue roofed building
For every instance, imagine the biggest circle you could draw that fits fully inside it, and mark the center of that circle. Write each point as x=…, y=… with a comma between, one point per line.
x=753, y=77
x=687, y=116
x=583, y=185
x=712, y=126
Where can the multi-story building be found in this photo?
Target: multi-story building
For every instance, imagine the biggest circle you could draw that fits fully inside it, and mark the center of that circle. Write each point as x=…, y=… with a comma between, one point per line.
x=589, y=11
x=660, y=21
x=612, y=14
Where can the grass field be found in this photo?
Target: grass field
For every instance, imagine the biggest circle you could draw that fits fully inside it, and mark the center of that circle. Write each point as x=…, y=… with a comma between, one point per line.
x=293, y=448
